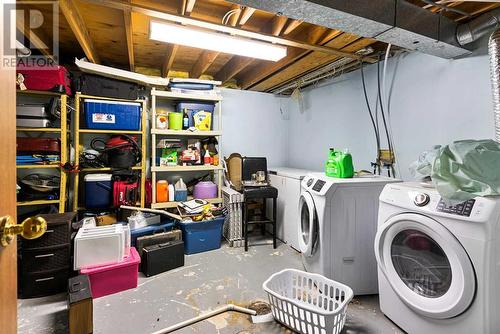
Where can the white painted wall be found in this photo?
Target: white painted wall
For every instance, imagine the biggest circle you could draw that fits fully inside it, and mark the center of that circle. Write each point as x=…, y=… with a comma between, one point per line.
x=434, y=101
x=253, y=125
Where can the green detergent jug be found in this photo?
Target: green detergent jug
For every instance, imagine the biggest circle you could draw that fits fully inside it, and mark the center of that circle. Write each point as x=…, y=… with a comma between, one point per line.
x=339, y=164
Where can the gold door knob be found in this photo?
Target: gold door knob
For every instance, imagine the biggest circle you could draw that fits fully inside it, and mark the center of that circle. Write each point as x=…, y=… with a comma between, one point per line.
x=30, y=228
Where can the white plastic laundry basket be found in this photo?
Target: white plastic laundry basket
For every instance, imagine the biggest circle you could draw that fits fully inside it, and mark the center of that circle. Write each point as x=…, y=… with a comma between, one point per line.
x=308, y=303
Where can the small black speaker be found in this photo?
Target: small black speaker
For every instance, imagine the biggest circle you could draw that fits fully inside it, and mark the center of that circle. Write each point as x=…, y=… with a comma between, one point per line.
x=163, y=257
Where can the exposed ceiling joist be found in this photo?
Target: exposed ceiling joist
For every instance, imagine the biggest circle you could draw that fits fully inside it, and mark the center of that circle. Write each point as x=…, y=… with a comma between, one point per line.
x=234, y=18
x=127, y=18
x=203, y=63
x=227, y=29
x=265, y=69
x=279, y=22
x=246, y=14
x=234, y=66
x=182, y=7
x=77, y=25
x=169, y=59
x=189, y=7
x=291, y=26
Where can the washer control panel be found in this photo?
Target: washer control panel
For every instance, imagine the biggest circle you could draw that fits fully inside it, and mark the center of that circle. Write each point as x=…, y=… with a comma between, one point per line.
x=318, y=185
x=310, y=182
x=421, y=199
x=462, y=209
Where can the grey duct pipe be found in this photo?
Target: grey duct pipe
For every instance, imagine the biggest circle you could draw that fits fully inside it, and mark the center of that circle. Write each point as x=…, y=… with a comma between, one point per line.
x=494, y=52
x=472, y=31
x=479, y=27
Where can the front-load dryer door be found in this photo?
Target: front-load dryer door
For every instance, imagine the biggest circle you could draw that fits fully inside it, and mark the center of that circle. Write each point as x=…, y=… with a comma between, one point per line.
x=308, y=227
x=426, y=265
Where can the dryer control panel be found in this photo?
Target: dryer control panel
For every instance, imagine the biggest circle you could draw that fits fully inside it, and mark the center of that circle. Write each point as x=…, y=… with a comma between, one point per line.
x=318, y=185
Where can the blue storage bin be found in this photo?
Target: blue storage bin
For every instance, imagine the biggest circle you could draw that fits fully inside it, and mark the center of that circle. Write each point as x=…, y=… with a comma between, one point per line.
x=98, y=191
x=112, y=115
x=151, y=229
x=194, y=107
x=201, y=236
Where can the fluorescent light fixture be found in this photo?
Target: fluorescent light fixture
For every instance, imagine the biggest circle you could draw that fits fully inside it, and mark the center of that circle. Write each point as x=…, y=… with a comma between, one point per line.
x=182, y=35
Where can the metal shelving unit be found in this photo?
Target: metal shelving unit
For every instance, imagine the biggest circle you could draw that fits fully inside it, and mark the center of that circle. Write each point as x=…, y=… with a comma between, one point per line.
x=62, y=131
x=159, y=95
x=79, y=132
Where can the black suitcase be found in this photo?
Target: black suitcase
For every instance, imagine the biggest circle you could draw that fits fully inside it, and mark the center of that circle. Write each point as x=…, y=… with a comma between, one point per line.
x=162, y=257
x=101, y=86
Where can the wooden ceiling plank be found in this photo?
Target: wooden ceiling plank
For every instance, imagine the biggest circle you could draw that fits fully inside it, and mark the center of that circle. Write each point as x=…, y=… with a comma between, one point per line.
x=127, y=18
x=234, y=66
x=169, y=58
x=77, y=25
x=189, y=7
x=203, y=63
x=221, y=28
x=182, y=7
x=278, y=24
x=480, y=11
x=265, y=69
x=246, y=14
x=291, y=26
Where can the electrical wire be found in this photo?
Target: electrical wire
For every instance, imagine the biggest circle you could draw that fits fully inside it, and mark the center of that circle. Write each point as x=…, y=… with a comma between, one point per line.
x=386, y=97
x=382, y=112
x=375, y=129
x=228, y=15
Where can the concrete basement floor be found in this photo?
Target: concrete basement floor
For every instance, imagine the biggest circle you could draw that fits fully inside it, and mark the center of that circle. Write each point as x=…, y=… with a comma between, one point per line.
x=208, y=280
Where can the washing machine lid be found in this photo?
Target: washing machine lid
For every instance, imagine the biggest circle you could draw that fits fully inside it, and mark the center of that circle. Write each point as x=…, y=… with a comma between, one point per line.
x=294, y=173
x=426, y=265
x=308, y=226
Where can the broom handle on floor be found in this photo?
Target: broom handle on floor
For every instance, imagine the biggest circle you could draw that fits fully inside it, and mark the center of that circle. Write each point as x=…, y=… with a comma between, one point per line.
x=201, y=317
x=160, y=212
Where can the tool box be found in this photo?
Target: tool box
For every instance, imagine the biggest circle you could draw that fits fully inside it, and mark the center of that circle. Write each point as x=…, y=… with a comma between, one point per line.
x=149, y=230
x=112, y=115
x=27, y=122
x=38, y=145
x=45, y=78
x=155, y=239
x=163, y=257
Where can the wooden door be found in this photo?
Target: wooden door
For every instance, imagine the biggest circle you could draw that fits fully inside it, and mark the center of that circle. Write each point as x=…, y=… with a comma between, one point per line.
x=8, y=255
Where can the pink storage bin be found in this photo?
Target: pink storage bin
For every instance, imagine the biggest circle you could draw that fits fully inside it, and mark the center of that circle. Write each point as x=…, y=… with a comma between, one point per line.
x=113, y=278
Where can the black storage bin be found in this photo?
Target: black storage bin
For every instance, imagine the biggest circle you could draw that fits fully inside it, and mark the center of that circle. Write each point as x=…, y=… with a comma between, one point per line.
x=162, y=257
x=45, y=263
x=97, y=85
x=45, y=283
x=48, y=258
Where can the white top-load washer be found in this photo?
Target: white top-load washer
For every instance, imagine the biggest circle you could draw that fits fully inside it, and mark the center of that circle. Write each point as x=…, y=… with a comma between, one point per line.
x=288, y=182
x=439, y=265
x=338, y=222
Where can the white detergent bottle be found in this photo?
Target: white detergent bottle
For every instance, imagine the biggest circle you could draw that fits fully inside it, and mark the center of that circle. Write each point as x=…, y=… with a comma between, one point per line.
x=171, y=193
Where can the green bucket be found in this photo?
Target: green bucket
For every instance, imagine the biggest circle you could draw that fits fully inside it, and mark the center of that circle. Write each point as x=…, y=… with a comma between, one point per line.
x=175, y=120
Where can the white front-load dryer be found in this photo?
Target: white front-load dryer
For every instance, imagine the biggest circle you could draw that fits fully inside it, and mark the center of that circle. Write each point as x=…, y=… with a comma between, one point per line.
x=438, y=265
x=338, y=222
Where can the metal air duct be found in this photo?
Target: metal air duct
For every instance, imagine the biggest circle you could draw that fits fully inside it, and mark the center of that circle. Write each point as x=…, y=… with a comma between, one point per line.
x=494, y=52
x=479, y=27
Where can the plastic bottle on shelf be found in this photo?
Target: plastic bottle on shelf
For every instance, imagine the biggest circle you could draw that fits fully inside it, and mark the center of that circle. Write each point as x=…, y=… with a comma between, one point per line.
x=162, y=191
x=207, y=160
x=171, y=193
